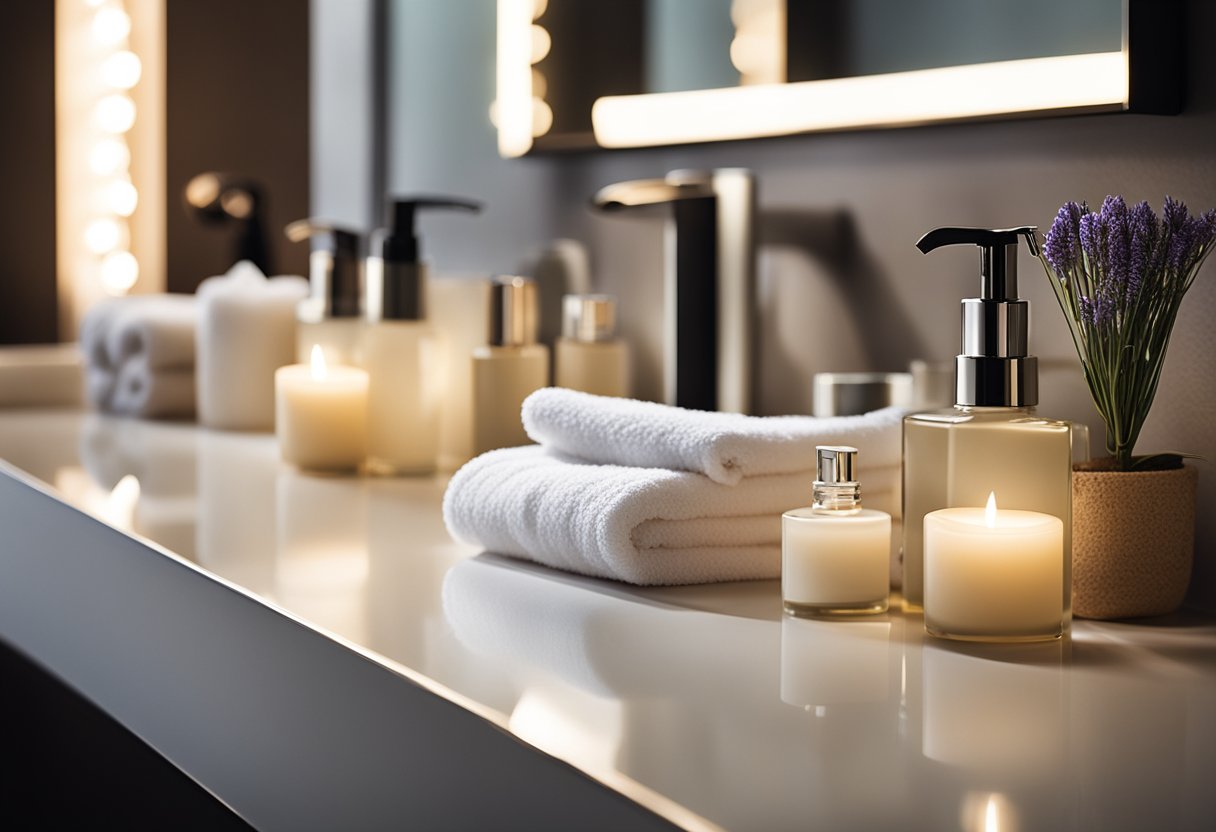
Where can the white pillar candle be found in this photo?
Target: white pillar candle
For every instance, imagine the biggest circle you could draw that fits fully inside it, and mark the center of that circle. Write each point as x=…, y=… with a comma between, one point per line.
x=321, y=414
x=994, y=575
x=246, y=330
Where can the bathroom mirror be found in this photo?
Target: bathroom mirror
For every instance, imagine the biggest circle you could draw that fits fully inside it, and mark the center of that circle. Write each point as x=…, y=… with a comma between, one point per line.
x=638, y=73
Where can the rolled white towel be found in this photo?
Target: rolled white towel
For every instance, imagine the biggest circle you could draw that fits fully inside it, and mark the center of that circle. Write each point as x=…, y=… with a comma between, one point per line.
x=640, y=525
x=726, y=447
x=142, y=391
x=157, y=328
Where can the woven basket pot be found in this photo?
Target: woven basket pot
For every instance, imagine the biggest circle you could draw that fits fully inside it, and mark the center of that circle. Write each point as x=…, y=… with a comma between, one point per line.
x=1133, y=540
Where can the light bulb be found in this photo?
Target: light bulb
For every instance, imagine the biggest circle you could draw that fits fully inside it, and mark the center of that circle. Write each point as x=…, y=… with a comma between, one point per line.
x=115, y=113
x=119, y=271
x=542, y=117
x=539, y=7
x=102, y=235
x=541, y=43
x=109, y=156
x=111, y=26
x=122, y=197
x=122, y=70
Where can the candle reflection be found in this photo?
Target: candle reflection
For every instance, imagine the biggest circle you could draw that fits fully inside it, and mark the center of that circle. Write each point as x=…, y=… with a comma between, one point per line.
x=995, y=716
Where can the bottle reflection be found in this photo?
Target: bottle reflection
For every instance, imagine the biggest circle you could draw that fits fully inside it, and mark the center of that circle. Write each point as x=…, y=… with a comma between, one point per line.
x=835, y=662
x=321, y=570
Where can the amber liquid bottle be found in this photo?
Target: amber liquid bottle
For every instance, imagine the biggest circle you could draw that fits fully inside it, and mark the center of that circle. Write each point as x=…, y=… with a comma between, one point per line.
x=992, y=440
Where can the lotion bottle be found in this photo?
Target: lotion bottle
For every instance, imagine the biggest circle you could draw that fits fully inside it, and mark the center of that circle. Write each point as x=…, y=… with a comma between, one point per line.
x=992, y=440
x=835, y=555
x=403, y=354
x=332, y=315
x=590, y=357
x=510, y=367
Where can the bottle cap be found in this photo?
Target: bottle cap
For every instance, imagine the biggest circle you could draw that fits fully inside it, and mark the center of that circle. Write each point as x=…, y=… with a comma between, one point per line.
x=589, y=318
x=513, y=311
x=836, y=485
x=993, y=369
x=333, y=270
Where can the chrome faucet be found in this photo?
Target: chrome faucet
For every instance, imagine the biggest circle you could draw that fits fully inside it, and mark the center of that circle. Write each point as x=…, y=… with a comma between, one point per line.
x=709, y=282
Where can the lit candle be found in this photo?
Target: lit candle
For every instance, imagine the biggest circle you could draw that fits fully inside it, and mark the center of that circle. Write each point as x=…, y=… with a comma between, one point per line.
x=321, y=414
x=994, y=575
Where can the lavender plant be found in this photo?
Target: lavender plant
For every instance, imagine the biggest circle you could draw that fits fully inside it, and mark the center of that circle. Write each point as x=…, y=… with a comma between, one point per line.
x=1119, y=275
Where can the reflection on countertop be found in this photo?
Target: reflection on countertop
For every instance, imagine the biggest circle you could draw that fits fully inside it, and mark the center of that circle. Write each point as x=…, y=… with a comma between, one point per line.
x=706, y=696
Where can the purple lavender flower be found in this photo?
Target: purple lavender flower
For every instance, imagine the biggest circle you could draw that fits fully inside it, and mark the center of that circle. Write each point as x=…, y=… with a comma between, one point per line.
x=1091, y=234
x=1096, y=311
x=1144, y=253
x=1063, y=238
x=1118, y=245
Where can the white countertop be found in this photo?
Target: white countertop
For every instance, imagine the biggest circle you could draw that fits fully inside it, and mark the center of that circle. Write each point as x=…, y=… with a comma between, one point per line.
x=702, y=703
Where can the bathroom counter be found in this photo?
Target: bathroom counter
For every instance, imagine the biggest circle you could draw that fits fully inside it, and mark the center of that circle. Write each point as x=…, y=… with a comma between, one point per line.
x=317, y=652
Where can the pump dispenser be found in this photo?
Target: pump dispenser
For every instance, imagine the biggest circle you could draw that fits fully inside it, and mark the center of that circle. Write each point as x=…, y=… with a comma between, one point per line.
x=510, y=367
x=991, y=441
x=404, y=355
x=332, y=315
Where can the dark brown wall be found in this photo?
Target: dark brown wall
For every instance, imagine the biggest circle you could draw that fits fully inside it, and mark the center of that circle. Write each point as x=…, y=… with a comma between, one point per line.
x=27, y=170
x=237, y=102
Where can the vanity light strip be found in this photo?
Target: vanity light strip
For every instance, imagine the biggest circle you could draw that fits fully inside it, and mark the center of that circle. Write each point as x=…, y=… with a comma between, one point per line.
x=1093, y=81
x=513, y=96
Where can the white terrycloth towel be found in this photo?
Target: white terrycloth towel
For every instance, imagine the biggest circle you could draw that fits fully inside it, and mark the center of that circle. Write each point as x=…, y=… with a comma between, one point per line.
x=726, y=447
x=640, y=525
x=157, y=328
x=140, y=390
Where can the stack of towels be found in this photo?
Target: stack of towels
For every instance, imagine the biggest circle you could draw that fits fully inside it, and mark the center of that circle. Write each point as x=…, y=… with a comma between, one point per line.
x=139, y=355
x=651, y=494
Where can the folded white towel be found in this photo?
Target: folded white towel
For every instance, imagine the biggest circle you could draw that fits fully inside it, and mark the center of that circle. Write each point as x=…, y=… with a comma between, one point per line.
x=724, y=446
x=158, y=328
x=640, y=525
x=99, y=385
x=142, y=391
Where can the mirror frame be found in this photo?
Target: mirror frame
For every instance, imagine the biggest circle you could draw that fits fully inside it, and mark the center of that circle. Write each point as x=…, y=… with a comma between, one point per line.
x=1145, y=76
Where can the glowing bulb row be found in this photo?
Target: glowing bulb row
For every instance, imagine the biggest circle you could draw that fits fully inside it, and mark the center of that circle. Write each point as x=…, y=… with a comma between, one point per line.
x=114, y=114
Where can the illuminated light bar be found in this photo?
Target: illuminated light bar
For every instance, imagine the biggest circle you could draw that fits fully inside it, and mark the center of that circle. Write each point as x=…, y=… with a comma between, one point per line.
x=513, y=95
x=1097, y=81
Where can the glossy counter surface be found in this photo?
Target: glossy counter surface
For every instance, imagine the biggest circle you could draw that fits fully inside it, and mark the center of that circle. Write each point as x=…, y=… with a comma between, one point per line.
x=701, y=703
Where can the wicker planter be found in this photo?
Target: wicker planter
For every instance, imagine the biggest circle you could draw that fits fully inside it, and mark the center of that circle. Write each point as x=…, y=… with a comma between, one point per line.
x=1133, y=540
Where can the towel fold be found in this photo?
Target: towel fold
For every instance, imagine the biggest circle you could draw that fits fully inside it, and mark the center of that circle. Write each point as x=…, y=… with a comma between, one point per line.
x=158, y=328
x=140, y=390
x=726, y=447
x=640, y=525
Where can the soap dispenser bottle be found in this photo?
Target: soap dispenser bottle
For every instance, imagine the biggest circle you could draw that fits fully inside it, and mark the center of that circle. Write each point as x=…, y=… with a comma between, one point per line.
x=510, y=367
x=332, y=315
x=835, y=555
x=403, y=354
x=991, y=441
x=589, y=356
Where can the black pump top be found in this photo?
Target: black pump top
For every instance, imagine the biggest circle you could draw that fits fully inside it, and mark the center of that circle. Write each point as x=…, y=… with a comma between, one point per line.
x=998, y=260
x=400, y=244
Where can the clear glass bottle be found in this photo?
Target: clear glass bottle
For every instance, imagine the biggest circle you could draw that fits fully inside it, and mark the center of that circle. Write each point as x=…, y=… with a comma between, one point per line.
x=509, y=368
x=991, y=441
x=589, y=356
x=835, y=555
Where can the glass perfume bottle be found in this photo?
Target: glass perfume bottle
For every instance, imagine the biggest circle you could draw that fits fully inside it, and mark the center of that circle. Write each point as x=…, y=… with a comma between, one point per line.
x=589, y=356
x=991, y=440
x=510, y=368
x=835, y=554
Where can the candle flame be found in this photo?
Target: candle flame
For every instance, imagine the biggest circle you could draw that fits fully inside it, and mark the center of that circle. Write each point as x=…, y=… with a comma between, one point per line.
x=990, y=511
x=318, y=363
x=991, y=823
